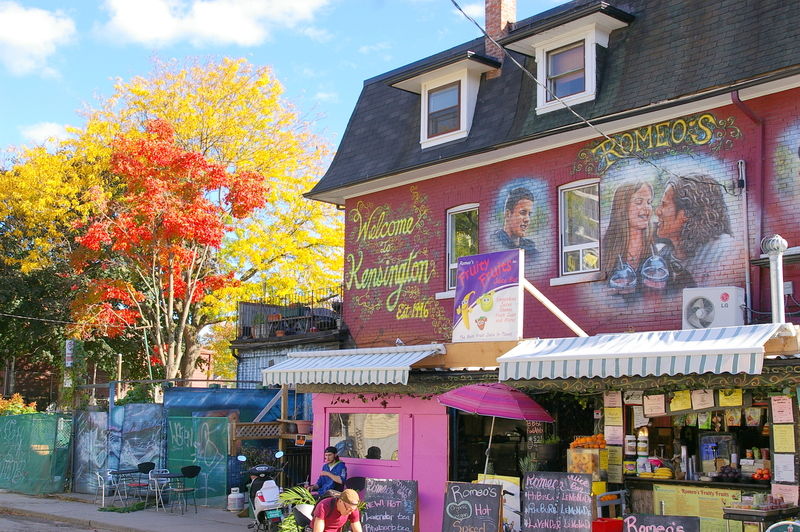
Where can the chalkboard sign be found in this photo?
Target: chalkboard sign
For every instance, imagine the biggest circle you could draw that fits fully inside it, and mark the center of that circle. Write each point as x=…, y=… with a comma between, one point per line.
x=472, y=507
x=557, y=501
x=664, y=523
x=391, y=505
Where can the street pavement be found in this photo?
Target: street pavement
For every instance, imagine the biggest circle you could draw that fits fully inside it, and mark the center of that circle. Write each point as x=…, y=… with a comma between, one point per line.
x=78, y=509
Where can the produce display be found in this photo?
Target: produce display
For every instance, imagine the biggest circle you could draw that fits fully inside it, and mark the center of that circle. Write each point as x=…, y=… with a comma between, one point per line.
x=596, y=441
x=660, y=472
x=728, y=474
x=762, y=474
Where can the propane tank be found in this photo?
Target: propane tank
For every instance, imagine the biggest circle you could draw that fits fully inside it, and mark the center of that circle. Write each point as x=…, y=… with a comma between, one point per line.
x=235, y=500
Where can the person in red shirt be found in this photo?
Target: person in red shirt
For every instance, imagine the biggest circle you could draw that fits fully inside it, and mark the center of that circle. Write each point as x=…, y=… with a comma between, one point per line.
x=332, y=513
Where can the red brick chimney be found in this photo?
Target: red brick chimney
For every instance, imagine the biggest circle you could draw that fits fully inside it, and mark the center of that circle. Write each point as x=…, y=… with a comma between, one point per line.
x=499, y=14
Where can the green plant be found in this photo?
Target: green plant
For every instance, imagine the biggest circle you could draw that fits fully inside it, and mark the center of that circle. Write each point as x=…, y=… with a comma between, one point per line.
x=528, y=463
x=140, y=393
x=551, y=440
x=293, y=496
x=16, y=406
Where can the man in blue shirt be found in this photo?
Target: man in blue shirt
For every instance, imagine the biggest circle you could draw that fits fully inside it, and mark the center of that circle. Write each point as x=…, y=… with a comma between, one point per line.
x=333, y=475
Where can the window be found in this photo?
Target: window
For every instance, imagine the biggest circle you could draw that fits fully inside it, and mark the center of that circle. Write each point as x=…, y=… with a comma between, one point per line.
x=373, y=436
x=444, y=109
x=462, y=237
x=566, y=71
x=580, y=227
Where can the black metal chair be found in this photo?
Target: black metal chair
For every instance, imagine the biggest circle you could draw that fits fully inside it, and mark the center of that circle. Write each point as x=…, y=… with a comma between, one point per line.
x=184, y=487
x=139, y=486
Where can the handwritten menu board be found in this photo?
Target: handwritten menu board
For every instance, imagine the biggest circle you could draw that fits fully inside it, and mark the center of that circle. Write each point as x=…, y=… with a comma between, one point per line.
x=661, y=522
x=557, y=501
x=471, y=507
x=391, y=505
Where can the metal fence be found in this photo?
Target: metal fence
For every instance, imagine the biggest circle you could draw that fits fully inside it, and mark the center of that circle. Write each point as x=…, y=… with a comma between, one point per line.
x=304, y=313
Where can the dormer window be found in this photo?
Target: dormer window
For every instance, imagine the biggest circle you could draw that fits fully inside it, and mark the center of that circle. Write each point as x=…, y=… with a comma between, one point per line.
x=565, y=47
x=444, y=109
x=566, y=71
x=448, y=91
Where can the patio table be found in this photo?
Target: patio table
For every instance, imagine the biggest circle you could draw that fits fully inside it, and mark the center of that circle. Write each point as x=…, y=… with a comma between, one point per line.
x=119, y=479
x=161, y=486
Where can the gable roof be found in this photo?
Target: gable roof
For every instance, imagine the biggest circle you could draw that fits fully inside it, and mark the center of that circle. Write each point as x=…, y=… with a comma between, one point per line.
x=670, y=51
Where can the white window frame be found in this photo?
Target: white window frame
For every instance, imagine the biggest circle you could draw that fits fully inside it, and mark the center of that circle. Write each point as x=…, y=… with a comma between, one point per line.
x=591, y=36
x=452, y=262
x=464, y=111
x=459, y=93
x=562, y=226
x=577, y=44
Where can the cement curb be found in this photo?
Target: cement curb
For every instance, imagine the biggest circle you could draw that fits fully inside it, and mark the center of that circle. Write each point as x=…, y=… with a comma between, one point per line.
x=82, y=512
x=78, y=521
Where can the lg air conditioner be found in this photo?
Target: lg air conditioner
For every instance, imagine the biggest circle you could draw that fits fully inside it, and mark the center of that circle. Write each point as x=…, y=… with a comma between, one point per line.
x=713, y=306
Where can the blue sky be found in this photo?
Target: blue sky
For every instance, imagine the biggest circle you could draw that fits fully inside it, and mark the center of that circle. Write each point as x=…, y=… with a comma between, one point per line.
x=58, y=57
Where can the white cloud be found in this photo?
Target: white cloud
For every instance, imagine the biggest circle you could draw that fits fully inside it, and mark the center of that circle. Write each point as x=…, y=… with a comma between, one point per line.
x=28, y=36
x=370, y=48
x=44, y=133
x=201, y=22
x=327, y=97
x=318, y=34
x=474, y=10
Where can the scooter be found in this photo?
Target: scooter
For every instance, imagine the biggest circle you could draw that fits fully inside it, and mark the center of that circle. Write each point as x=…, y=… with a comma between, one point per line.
x=263, y=496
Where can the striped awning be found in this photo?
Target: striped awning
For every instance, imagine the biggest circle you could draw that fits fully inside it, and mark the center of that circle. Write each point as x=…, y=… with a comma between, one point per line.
x=715, y=350
x=380, y=365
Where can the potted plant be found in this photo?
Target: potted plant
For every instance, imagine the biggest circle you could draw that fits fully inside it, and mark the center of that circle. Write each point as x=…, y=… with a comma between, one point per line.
x=549, y=448
x=259, y=326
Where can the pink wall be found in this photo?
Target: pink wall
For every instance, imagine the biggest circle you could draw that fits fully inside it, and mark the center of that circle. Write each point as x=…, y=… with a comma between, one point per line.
x=422, y=452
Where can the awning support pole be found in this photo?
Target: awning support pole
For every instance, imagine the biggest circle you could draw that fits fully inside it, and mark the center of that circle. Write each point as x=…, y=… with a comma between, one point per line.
x=549, y=305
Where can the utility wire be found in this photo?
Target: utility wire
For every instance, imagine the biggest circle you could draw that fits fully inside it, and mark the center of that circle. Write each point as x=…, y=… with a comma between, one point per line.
x=31, y=318
x=47, y=320
x=575, y=113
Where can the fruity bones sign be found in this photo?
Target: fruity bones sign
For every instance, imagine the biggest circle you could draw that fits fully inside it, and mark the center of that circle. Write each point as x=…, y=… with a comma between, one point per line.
x=488, y=297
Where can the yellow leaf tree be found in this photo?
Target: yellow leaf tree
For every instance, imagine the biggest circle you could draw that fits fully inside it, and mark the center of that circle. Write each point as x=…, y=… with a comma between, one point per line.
x=232, y=113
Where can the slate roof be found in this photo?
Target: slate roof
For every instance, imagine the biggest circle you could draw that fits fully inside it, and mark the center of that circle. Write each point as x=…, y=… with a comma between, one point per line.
x=671, y=49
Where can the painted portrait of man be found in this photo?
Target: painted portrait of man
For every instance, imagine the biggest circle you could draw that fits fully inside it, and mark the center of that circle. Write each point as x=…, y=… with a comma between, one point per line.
x=517, y=215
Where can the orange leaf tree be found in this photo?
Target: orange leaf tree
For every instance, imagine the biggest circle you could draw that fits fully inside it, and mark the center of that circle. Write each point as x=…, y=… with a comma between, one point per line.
x=149, y=255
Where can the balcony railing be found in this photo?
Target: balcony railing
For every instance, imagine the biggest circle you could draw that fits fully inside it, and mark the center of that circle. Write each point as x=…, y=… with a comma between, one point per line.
x=306, y=313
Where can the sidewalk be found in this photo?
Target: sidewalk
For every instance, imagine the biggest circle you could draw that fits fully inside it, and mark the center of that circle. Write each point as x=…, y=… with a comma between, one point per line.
x=78, y=509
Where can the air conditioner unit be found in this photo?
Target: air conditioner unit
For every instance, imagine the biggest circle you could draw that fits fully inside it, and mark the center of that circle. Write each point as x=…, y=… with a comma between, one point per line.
x=713, y=306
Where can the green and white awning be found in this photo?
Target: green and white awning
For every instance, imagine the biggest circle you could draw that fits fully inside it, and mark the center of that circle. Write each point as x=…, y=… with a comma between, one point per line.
x=380, y=365
x=714, y=350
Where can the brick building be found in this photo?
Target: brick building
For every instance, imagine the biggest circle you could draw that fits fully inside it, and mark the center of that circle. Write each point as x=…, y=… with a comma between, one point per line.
x=639, y=174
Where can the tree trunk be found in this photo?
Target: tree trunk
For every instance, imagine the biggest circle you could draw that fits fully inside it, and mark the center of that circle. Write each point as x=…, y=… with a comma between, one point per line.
x=191, y=353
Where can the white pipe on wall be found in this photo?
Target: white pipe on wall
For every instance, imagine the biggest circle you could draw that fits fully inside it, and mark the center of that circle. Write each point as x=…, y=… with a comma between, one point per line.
x=774, y=246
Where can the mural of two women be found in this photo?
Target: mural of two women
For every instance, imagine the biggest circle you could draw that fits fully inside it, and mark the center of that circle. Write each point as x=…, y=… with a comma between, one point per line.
x=691, y=233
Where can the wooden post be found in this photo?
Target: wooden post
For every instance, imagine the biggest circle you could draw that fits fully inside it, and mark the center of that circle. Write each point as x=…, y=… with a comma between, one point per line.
x=119, y=374
x=284, y=415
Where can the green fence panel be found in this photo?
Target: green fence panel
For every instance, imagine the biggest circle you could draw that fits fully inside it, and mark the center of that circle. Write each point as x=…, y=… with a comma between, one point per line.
x=201, y=441
x=34, y=452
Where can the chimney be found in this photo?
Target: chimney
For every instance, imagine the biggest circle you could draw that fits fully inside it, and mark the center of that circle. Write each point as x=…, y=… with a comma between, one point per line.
x=499, y=14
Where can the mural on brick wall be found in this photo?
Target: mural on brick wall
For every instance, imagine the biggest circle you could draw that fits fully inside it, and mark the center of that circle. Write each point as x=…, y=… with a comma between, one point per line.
x=393, y=258
x=787, y=168
x=670, y=215
x=519, y=220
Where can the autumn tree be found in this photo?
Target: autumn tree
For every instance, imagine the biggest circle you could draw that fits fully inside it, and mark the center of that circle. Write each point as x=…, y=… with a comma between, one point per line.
x=232, y=113
x=164, y=230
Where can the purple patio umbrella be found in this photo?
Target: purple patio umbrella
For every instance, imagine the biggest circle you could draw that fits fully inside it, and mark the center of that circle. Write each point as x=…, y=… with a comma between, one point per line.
x=497, y=400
